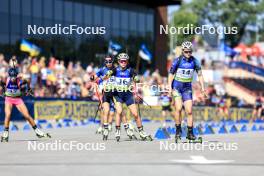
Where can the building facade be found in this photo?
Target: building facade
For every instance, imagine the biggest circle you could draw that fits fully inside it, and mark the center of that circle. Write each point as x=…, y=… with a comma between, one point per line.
x=129, y=23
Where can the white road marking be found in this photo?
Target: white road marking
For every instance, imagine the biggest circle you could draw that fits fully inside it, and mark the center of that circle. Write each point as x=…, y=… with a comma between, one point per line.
x=198, y=159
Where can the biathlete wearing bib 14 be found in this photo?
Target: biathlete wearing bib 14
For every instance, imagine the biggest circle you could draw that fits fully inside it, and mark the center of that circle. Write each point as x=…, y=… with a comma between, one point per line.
x=183, y=70
x=107, y=86
x=124, y=79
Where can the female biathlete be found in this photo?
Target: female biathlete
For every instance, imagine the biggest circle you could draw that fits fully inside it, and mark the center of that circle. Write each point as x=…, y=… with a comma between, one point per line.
x=124, y=78
x=108, y=89
x=13, y=90
x=180, y=79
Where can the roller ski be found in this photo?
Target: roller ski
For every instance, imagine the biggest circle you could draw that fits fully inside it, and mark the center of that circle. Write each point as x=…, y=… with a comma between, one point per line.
x=118, y=134
x=110, y=128
x=130, y=134
x=144, y=136
x=132, y=128
x=99, y=130
x=192, y=139
x=5, y=137
x=178, y=136
x=41, y=134
x=105, y=133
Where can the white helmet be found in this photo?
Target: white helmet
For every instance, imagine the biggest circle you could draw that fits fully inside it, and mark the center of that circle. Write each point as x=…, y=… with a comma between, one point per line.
x=187, y=45
x=122, y=56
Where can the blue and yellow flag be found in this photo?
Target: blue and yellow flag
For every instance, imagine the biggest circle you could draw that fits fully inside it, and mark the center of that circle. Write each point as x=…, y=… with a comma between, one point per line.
x=29, y=47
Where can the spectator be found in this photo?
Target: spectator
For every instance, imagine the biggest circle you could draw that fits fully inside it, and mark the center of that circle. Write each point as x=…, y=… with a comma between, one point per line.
x=34, y=70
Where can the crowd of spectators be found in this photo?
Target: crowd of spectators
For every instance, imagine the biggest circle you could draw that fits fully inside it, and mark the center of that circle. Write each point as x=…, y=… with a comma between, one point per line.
x=53, y=78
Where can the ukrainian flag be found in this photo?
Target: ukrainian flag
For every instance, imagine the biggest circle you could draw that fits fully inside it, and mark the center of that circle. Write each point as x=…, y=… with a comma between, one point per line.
x=29, y=47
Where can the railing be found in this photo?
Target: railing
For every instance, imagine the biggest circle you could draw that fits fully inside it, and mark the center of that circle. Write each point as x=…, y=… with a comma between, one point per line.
x=49, y=109
x=245, y=66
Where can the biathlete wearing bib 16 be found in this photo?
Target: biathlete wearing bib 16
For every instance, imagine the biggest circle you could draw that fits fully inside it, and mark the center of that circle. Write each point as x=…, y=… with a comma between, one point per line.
x=123, y=81
x=183, y=70
x=108, y=86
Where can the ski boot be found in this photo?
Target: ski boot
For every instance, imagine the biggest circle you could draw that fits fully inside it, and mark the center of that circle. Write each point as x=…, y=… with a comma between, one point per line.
x=105, y=132
x=178, y=135
x=129, y=132
x=99, y=130
x=41, y=134
x=110, y=128
x=143, y=135
x=131, y=127
x=192, y=139
x=118, y=134
x=5, y=136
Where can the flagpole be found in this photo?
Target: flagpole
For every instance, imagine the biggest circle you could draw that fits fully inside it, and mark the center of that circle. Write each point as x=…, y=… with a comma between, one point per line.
x=138, y=62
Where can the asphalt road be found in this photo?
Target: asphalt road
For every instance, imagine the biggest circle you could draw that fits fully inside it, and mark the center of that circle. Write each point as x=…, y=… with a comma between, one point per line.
x=227, y=154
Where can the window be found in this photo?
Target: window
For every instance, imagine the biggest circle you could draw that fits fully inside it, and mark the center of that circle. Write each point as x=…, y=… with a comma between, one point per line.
x=4, y=6
x=4, y=22
x=15, y=7
x=107, y=17
x=124, y=19
x=25, y=22
x=48, y=9
x=26, y=7
x=115, y=19
x=37, y=8
x=15, y=24
x=58, y=12
x=150, y=23
x=141, y=22
x=88, y=14
x=37, y=22
x=124, y=34
x=14, y=39
x=4, y=39
x=133, y=21
x=97, y=15
x=78, y=12
x=68, y=11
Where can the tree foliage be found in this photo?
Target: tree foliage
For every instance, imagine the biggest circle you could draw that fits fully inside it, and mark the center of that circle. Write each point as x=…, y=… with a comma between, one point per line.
x=235, y=13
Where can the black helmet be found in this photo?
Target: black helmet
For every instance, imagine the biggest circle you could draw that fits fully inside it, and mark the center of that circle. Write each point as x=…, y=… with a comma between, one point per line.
x=12, y=72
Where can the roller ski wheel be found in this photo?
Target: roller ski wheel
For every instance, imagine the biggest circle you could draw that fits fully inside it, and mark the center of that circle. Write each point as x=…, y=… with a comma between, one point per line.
x=99, y=130
x=110, y=128
x=118, y=135
x=192, y=139
x=118, y=138
x=46, y=135
x=177, y=139
x=105, y=138
x=132, y=137
x=4, y=139
x=105, y=134
x=130, y=134
x=200, y=140
x=146, y=138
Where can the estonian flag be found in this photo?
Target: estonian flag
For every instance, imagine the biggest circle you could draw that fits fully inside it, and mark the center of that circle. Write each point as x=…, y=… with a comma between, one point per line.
x=29, y=47
x=113, y=48
x=228, y=50
x=144, y=53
